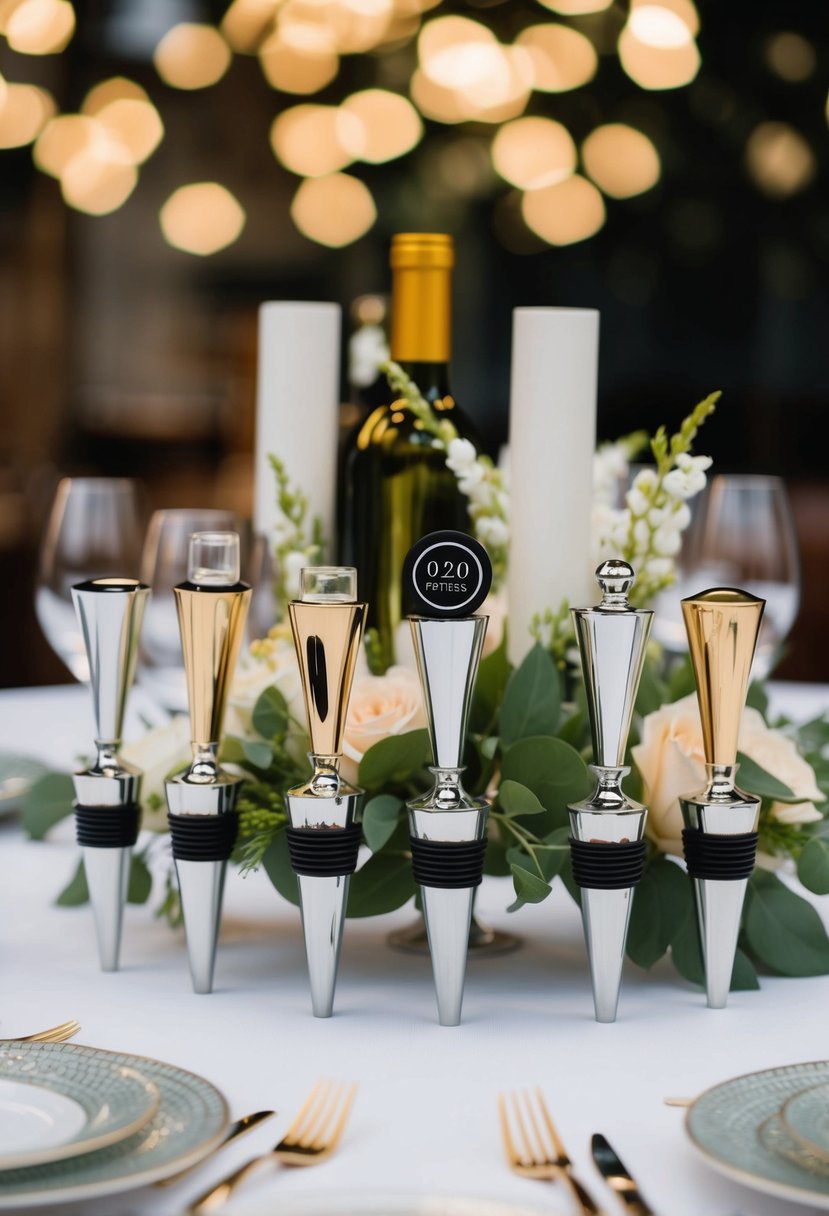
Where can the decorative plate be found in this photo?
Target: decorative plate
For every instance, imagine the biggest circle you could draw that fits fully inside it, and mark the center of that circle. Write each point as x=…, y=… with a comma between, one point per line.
x=191, y=1119
x=58, y=1100
x=726, y=1126
x=806, y=1118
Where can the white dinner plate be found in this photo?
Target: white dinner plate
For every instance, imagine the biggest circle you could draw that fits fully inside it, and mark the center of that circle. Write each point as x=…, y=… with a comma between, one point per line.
x=377, y=1203
x=729, y=1124
x=191, y=1119
x=59, y=1099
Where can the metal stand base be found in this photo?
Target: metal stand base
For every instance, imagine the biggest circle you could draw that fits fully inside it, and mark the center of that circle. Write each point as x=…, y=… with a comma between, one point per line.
x=484, y=942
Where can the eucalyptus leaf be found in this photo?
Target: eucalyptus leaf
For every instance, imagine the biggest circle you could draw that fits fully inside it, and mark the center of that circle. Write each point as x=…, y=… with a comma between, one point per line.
x=380, y=819
x=755, y=780
x=493, y=673
x=516, y=799
x=384, y=883
x=529, y=888
x=652, y=692
x=758, y=698
x=394, y=759
x=277, y=865
x=681, y=681
x=783, y=930
x=813, y=865
x=574, y=730
x=141, y=881
x=662, y=903
x=270, y=713
x=76, y=891
x=554, y=771
x=46, y=802
x=532, y=699
x=686, y=952
x=257, y=753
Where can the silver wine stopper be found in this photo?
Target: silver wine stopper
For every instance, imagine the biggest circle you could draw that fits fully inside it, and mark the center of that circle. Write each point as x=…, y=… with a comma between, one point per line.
x=607, y=846
x=447, y=574
x=107, y=809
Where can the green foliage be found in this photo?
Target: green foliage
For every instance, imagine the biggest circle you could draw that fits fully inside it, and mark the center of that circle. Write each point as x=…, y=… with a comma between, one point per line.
x=277, y=863
x=76, y=891
x=380, y=819
x=46, y=802
x=271, y=717
x=493, y=674
x=784, y=931
x=553, y=770
x=384, y=883
x=394, y=760
x=755, y=780
x=662, y=904
x=813, y=865
x=516, y=799
x=532, y=699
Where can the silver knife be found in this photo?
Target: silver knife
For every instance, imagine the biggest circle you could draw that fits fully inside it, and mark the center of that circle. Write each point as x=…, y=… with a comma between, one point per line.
x=618, y=1178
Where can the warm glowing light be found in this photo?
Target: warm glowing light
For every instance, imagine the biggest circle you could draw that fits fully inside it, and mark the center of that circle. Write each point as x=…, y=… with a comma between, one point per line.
x=313, y=140
x=490, y=82
x=134, y=126
x=621, y=160
x=458, y=53
x=62, y=139
x=387, y=126
x=94, y=184
x=656, y=26
x=247, y=22
x=435, y=101
x=576, y=8
x=791, y=57
x=202, y=218
x=684, y=9
x=7, y=7
x=299, y=59
x=561, y=57
x=653, y=67
x=24, y=109
x=333, y=210
x=570, y=211
x=358, y=25
x=779, y=159
x=534, y=152
x=117, y=88
x=192, y=56
x=40, y=27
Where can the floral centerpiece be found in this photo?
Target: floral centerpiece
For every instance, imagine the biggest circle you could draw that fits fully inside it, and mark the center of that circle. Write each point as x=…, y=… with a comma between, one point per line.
x=528, y=743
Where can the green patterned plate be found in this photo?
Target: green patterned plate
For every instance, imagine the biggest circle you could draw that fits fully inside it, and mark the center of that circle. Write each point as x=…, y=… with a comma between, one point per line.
x=191, y=1119
x=806, y=1117
x=57, y=1100
x=725, y=1125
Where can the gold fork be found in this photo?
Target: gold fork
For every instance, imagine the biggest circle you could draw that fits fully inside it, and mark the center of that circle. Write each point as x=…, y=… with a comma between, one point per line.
x=539, y=1152
x=313, y=1136
x=56, y=1034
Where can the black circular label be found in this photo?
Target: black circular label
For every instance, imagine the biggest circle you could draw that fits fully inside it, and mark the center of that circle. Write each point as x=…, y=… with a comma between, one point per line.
x=446, y=574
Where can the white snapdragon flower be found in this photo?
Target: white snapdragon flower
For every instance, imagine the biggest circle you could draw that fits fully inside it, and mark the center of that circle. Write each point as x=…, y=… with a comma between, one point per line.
x=688, y=478
x=292, y=564
x=492, y=531
x=641, y=535
x=681, y=516
x=470, y=477
x=658, y=567
x=666, y=541
x=480, y=493
x=610, y=468
x=460, y=455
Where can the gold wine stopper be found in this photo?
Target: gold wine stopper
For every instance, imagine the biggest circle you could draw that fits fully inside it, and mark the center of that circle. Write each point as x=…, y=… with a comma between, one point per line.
x=327, y=624
x=722, y=626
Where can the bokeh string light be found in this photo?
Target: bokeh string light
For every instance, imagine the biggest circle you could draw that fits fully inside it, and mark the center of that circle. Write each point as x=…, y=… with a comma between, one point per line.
x=444, y=71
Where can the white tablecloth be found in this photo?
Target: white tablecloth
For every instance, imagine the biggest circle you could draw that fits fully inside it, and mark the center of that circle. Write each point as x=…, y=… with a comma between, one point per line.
x=425, y=1117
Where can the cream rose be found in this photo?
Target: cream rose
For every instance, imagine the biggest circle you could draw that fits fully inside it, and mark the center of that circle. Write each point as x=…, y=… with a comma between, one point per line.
x=671, y=760
x=380, y=706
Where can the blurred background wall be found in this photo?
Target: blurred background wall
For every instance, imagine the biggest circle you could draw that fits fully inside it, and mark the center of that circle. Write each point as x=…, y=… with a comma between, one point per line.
x=673, y=176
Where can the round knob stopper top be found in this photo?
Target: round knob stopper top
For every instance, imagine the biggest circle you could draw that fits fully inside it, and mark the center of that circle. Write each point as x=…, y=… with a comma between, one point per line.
x=615, y=578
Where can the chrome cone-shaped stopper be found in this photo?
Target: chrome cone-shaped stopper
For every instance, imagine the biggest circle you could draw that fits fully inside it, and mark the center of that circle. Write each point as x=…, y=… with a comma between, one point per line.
x=212, y=609
x=107, y=811
x=324, y=833
x=607, y=846
x=720, y=836
x=447, y=574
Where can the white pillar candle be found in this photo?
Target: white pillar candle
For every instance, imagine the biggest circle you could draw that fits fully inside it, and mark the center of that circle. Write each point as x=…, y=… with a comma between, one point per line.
x=552, y=441
x=297, y=409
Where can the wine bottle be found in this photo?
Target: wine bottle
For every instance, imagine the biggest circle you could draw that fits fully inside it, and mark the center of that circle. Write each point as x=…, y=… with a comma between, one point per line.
x=396, y=486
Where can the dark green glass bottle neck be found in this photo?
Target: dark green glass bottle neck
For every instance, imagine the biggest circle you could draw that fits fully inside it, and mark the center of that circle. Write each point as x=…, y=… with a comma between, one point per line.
x=431, y=378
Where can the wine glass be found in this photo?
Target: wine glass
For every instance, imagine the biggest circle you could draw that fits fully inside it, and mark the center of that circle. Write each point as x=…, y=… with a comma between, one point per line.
x=745, y=537
x=94, y=531
x=163, y=565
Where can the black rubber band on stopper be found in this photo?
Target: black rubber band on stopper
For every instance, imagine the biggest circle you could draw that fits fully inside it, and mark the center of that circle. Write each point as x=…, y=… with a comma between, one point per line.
x=607, y=865
x=203, y=837
x=448, y=863
x=324, y=852
x=107, y=827
x=727, y=858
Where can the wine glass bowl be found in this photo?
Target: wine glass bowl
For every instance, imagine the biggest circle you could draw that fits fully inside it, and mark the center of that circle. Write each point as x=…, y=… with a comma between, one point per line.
x=93, y=531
